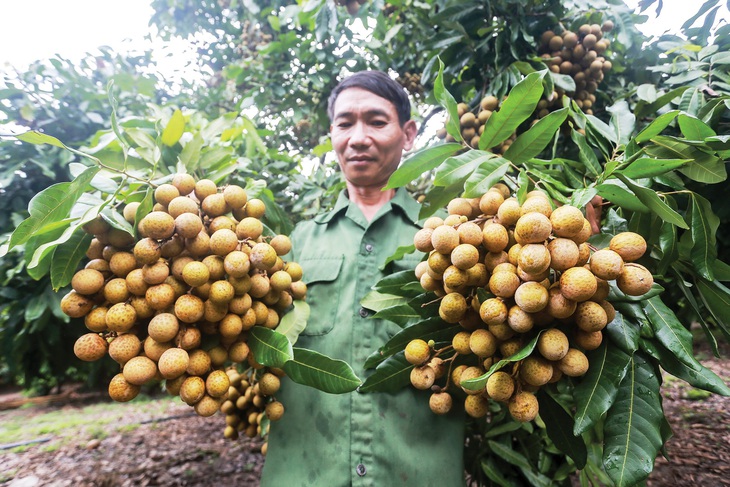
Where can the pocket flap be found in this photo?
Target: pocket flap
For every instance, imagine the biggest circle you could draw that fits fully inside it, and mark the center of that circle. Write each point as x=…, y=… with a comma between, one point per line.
x=321, y=269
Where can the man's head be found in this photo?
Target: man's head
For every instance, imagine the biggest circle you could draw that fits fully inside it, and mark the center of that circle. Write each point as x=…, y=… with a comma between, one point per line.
x=370, y=131
x=378, y=83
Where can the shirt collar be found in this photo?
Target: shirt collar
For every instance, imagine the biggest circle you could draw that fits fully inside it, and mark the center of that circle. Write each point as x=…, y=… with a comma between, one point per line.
x=401, y=200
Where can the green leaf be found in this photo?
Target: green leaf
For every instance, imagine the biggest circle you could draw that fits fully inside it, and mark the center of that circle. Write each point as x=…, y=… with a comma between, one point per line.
x=704, y=168
x=393, y=284
x=174, y=129
x=321, y=372
x=479, y=383
x=457, y=168
x=597, y=391
x=399, y=315
x=430, y=329
x=656, y=126
x=399, y=253
x=717, y=299
x=669, y=331
x=623, y=333
x=294, y=321
x=694, y=128
x=485, y=176
x=529, y=144
x=620, y=195
x=517, y=108
x=420, y=162
x=695, y=374
x=447, y=101
x=586, y=154
x=390, y=376
x=652, y=200
x=510, y=455
x=66, y=259
x=622, y=121
x=377, y=301
x=437, y=199
x=647, y=167
x=51, y=205
x=269, y=347
x=704, y=225
x=559, y=427
x=632, y=430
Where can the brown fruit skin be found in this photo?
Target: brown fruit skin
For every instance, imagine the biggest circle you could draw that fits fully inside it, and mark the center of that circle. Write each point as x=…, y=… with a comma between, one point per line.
x=536, y=371
x=76, y=305
x=122, y=391
x=440, y=402
x=90, y=347
x=523, y=406
x=606, y=264
x=574, y=364
x=192, y=390
x=139, y=370
x=500, y=386
x=476, y=406
x=423, y=377
x=87, y=281
x=629, y=245
x=553, y=344
x=417, y=352
x=173, y=363
x=124, y=347
x=578, y=284
x=635, y=280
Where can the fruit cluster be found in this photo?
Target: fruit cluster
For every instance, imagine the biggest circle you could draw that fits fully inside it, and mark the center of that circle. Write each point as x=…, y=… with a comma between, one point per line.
x=352, y=6
x=411, y=82
x=579, y=55
x=252, y=38
x=177, y=303
x=508, y=273
x=250, y=401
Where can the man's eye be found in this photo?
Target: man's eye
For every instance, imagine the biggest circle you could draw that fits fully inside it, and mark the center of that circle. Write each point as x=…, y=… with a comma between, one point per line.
x=344, y=125
x=379, y=123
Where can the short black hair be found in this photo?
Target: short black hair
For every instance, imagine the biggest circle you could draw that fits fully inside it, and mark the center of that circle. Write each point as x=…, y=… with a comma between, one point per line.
x=376, y=82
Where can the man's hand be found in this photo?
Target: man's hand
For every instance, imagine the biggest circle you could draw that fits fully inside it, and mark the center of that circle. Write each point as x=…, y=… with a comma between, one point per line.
x=593, y=213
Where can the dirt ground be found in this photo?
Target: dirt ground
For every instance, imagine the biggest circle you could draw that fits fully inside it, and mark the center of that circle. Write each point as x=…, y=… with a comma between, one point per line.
x=163, y=443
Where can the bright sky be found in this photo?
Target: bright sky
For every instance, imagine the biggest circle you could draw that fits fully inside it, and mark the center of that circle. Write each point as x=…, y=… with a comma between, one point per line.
x=38, y=29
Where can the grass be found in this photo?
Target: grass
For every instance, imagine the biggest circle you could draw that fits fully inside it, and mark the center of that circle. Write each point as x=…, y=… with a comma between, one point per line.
x=95, y=421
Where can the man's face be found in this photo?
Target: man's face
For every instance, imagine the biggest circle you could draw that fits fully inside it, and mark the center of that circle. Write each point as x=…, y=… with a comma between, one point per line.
x=368, y=138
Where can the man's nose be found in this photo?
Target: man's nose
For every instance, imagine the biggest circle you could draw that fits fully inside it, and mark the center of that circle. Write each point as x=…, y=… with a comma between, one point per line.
x=359, y=134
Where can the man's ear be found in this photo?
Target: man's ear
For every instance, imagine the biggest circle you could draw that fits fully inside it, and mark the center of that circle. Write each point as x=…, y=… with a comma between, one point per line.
x=410, y=130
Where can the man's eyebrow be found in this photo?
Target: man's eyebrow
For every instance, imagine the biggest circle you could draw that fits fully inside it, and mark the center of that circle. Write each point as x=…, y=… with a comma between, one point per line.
x=373, y=112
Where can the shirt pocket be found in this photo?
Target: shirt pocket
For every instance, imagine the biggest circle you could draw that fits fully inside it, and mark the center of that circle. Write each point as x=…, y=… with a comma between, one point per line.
x=323, y=292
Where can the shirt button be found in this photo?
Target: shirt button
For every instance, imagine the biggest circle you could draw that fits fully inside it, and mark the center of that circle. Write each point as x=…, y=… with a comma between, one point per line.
x=361, y=470
x=369, y=247
x=363, y=312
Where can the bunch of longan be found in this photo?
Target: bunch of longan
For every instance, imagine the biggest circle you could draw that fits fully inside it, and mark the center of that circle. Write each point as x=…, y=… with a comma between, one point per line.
x=352, y=6
x=178, y=302
x=581, y=55
x=537, y=274
x=411, y=82
x=251, y=400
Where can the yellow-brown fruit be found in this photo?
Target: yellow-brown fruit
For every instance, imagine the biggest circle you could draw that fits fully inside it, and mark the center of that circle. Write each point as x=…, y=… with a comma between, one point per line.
x=192, y=390
x=465, y=256
x=567, y=221
x=95, y=320
x=452, y=307
x=602, y=290
x=459, y=206
x=523, y=406
x=467, y=374
x=235, y=196
x=188, y=225
x=564, y=254
x=223, y=242
x=87, y=281
x=115, y=291
x=490, y=202
x=574, y=364
x=533, y=227
x=255, y=208
x=629, y=245
x=444, y=239
x=274, y=410
x=553, y=344
x=578, y=284
x=205, y=188
x=520, y=320
x=269, y=384
x=124, y=347
x=470, y=233
x=460, y=342
x=534, y=258
x=476, y=406
x=454, y=220
x=215, y=266
x=122, y=391
x=147, y=251
x=477, y=276
x=156, y=273
x=165, y=193
x=158, y=225
x=139, y=370
x=493, y=311
x=504, y=284
x=221, y=292
x=495, y=237
x=606, y=264
x=188, y=338
x=531, y=296
x=154, y=350
x=582, y=237
x=417, y=352
x=558, y=305
x=263, y=256
x=221, y=222
x=173, y=363
x=130, y=210
x=207, y=406
x=635, y=280
x=217, y=383
x=440, y=402
x=180, y=205
x=483, y=343
x=439, y=366
x=454, y=278
x=189, y=308
x=238, y=352
x=198, y=362
x=122, y=263
x=422, y=377
x=609, y=309
x=590, y=316
x=587, y=340
x=249, y=228
x=500, y=386
x=163, y=327
x=195, y=273
x=121, y=317
x=90, y=347
x=536, y=371
x=509, y=212
x=433, y=222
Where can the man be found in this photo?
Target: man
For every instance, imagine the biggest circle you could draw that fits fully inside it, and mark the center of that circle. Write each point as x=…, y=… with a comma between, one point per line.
x=360, y=439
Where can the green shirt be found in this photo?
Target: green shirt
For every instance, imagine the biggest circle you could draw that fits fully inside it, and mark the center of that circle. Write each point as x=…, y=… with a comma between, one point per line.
x=374, y=439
